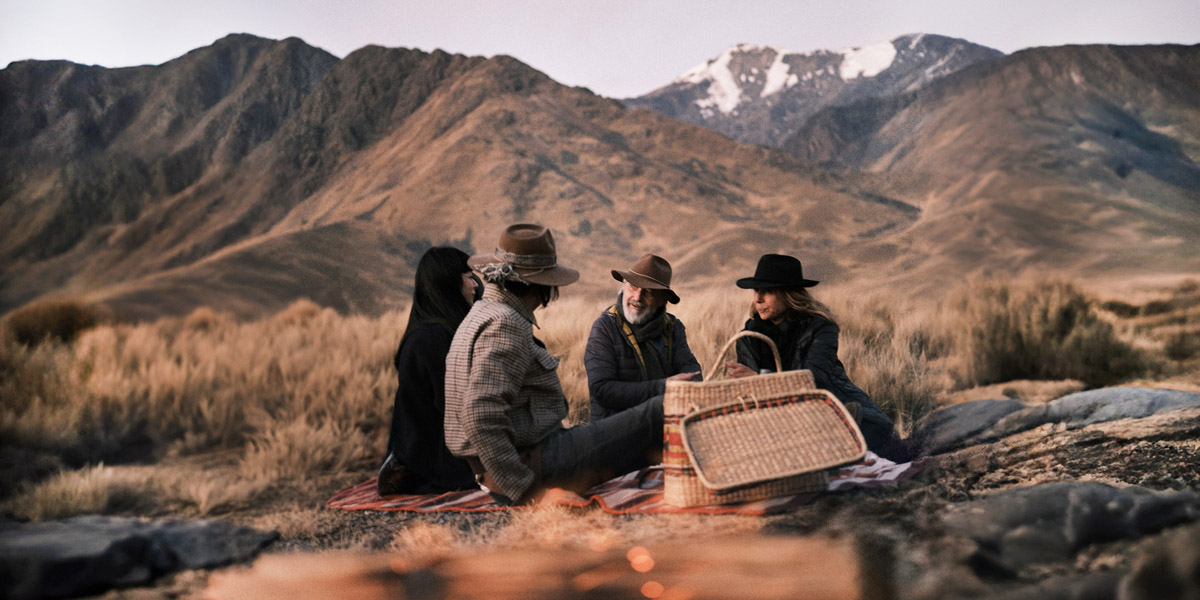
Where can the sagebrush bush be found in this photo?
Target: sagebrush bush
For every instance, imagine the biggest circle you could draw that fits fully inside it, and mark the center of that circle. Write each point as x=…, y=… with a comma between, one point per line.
x=57, y=319
x=1045, y=330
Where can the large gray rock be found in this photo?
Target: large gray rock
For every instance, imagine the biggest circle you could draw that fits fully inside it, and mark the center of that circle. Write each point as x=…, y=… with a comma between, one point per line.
x=1094, y=406
x=1050, y=522
x=950, y=427
x=92, y=553
x=982, y=421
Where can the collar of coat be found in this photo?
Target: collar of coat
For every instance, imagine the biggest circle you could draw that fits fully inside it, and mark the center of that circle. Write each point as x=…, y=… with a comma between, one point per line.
x=495, y=293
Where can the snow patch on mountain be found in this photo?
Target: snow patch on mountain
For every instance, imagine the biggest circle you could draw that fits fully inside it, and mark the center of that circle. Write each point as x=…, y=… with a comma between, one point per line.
x=723, y=91
x=779, y=75
x=867, y=61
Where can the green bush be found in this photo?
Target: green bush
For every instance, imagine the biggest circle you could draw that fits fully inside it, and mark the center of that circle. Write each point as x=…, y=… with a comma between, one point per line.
x=1047, y=330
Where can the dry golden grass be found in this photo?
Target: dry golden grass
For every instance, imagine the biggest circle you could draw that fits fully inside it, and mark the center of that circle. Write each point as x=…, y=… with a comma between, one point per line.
x=307, y=393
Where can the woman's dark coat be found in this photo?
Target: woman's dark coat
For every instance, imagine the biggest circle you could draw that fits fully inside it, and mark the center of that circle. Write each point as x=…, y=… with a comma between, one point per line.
x=811, y=342
x=416, y=437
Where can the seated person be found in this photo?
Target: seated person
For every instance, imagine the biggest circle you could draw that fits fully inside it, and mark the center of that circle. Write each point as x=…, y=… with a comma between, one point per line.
x=418, y=461
x=636, y=346
x=504, y=401
x=807, y=338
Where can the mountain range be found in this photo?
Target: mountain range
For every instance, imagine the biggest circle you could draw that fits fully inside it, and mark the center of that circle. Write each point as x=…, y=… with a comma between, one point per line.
x=762, y=95
x=251, y=172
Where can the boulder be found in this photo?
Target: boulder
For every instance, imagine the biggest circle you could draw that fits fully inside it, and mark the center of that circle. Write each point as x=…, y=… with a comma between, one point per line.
x=949, y=428
x=982, y=421
x=1094, y=406
x=1020, y=527
x=90, y=554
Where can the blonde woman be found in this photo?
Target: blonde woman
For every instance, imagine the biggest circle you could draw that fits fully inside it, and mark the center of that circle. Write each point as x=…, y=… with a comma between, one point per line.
x=807, y=338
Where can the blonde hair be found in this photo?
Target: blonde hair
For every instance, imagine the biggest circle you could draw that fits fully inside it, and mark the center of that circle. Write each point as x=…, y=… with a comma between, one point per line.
x=799, y=300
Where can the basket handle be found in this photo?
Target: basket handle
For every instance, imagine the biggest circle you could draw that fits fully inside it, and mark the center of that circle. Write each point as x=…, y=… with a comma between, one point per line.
x=741, y=334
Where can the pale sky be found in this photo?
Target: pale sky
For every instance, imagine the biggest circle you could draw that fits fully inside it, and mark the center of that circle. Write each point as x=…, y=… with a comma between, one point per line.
x=617, y=48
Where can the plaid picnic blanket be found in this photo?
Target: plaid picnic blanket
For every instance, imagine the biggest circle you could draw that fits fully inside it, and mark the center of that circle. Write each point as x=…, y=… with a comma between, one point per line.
x=637, y=492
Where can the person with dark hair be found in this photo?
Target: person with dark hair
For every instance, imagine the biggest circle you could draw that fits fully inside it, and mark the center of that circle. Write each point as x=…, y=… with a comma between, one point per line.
x=504, y=401
x=418, y=461
x=807, y=338
x=636, y=346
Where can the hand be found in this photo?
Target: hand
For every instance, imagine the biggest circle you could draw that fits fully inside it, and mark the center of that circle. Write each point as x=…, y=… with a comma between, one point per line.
x=684, y=376
x=737, y=370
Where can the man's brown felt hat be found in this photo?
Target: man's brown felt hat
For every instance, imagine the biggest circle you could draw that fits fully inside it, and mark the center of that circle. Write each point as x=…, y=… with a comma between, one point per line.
x=650, y=272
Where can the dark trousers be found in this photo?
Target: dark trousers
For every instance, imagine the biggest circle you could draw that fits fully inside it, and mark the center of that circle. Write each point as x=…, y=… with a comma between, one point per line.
x=583, y=456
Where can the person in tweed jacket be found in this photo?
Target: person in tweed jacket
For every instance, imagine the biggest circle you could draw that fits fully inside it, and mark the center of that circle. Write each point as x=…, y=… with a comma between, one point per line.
x=504, y=401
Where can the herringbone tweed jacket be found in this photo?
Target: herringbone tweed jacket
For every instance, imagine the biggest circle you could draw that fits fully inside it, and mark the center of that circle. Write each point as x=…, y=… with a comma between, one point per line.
x=502, y=389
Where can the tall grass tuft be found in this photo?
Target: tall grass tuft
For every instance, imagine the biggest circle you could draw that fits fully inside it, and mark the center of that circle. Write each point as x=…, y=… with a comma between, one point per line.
x=1043, y=330
x=92, y=490
x=57, y=319
x=891, y=353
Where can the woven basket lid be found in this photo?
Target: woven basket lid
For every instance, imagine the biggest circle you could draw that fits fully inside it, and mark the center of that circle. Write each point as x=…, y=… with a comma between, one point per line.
x=752, y=441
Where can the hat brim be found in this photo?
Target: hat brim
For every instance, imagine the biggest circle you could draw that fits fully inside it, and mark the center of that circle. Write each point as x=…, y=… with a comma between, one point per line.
x=645, y=283
x=750, y=283
x=557, y=275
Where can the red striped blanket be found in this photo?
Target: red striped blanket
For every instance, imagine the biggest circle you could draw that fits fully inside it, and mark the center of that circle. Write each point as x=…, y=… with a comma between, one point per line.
x=637, y=492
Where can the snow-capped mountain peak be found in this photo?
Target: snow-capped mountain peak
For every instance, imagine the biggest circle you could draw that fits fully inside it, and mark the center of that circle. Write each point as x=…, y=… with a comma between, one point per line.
x=759, y=94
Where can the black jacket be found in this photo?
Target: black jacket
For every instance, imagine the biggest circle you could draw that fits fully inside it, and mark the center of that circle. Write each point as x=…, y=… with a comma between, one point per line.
x=416, y=437
x=616, y=378
x=811, y=342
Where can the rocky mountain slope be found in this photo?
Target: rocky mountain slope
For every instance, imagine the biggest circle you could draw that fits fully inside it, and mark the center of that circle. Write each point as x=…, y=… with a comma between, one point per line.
x=1081, y=158
x=762, y=95
x=252, y=172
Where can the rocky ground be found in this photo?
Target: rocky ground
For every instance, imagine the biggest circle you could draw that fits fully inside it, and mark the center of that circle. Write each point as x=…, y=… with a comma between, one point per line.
x=1093, y=495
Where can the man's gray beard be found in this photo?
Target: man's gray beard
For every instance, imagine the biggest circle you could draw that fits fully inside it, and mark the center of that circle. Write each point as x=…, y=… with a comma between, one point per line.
x=638, y=318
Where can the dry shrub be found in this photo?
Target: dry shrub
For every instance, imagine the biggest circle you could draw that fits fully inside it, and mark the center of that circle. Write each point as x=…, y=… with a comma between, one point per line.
x=58, y=319
x=1183, y=346
x=206, y=319
x=1040, y=330
x=94, y=490
x=298, y=312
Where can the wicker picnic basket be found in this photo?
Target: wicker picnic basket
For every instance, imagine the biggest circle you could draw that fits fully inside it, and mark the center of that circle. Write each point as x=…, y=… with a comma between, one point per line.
x=738, y=440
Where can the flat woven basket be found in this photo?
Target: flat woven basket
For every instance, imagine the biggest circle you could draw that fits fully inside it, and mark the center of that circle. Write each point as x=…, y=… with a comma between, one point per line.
x=752, y=441
x=806, y=418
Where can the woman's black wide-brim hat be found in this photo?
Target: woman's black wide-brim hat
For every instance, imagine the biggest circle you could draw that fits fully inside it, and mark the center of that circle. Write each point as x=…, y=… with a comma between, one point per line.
x=777, y=271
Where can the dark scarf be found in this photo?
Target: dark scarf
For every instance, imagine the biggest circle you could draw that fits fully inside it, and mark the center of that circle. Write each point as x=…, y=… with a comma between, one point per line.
x=650, y=338
x=785, y=336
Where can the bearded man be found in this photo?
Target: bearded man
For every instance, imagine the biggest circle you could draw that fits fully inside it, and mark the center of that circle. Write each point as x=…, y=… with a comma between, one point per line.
x=636, y=346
